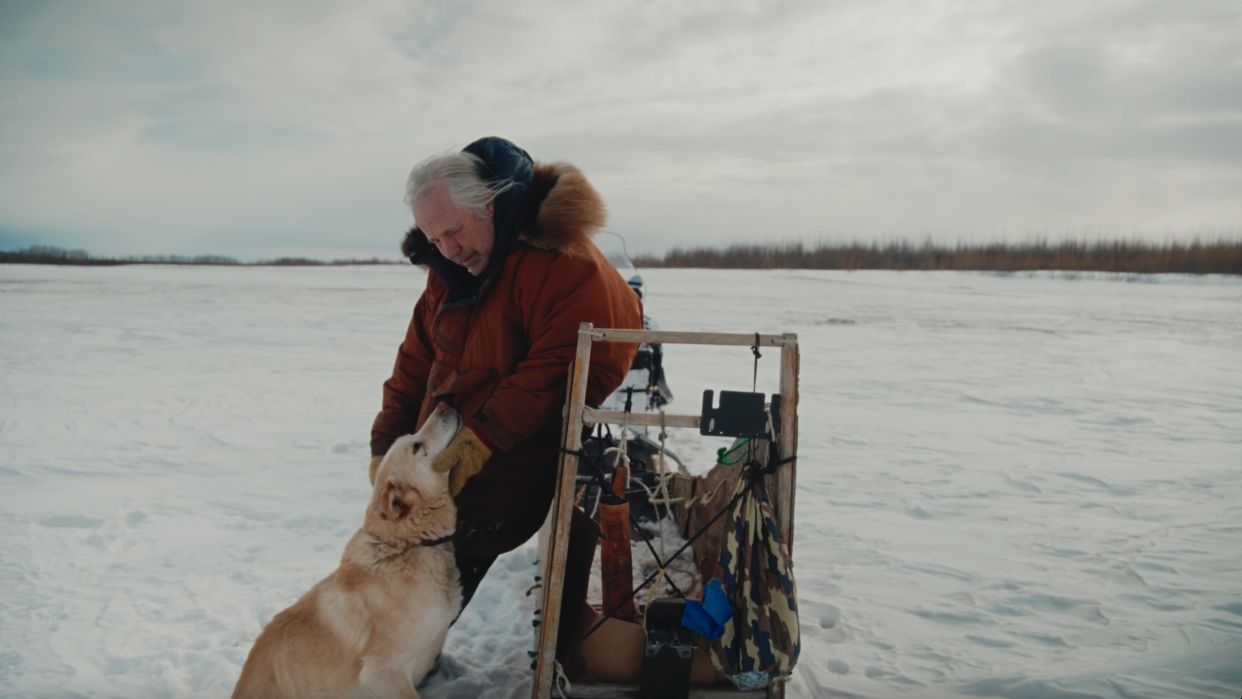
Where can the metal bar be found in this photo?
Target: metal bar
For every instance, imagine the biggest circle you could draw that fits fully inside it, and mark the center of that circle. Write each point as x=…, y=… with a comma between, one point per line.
x=674, y=337
x=563, y=502
x=591, y=416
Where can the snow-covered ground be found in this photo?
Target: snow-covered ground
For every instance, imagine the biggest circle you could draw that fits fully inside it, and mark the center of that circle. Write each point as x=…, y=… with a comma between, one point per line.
x=1023, y=486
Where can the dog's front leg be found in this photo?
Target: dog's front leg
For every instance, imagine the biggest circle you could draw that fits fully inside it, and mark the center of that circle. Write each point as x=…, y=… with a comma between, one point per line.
x=386, y=682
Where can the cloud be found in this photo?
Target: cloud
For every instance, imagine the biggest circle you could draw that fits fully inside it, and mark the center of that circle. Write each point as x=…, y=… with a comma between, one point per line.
x=258, y=129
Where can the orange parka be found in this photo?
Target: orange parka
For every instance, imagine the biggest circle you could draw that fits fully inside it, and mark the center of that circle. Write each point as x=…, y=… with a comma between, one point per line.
x=502, y=360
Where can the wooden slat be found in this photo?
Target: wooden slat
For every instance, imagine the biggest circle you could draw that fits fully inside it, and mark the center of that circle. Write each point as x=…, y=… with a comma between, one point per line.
x=786, y=476
x=673, y=337
x=591, y=416
x=563, y=502
x=544, y=549
x=630, y=691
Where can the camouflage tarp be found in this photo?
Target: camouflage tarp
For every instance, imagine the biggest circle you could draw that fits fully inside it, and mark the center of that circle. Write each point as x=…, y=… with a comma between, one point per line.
x=761, y=642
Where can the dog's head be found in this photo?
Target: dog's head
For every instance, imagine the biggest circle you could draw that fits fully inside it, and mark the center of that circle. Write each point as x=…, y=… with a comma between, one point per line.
x=411, y=500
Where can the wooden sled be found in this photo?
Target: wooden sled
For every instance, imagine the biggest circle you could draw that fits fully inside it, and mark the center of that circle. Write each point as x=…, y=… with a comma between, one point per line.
x=554, y=537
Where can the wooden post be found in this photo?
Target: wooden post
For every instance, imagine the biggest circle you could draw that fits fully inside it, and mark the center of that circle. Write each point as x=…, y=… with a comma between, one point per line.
x=786, y=476
x=559, y=518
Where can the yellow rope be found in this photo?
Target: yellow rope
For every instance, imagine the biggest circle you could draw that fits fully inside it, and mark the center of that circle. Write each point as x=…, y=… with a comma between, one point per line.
x=655, y=585
x=691, y=501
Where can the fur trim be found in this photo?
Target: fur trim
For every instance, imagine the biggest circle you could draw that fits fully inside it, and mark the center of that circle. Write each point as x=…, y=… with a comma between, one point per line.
x=415, y=243
x=567, y=210
x=561, y=212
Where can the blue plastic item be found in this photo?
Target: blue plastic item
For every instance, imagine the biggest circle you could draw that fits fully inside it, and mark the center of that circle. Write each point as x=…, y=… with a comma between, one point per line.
x=708, y=617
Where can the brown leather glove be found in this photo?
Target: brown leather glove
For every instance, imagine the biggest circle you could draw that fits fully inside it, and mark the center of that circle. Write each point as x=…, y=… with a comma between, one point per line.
x=375, y=462
x=462, y=458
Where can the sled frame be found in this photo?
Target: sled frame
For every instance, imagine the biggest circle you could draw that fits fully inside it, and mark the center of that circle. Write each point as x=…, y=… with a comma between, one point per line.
x=554, y=537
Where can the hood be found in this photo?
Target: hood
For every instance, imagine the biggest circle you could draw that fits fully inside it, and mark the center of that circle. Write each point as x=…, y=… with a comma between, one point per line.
x=558, y=210
x=503, y=162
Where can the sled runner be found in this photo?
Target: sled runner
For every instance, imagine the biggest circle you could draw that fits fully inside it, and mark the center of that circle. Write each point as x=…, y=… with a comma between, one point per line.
x=737, y=522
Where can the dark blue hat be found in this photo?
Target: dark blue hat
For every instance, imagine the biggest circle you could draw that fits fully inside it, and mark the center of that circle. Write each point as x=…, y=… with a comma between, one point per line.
x=504, y=163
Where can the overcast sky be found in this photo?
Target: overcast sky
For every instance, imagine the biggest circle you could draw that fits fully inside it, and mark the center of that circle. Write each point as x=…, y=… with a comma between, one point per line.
x=253, y=129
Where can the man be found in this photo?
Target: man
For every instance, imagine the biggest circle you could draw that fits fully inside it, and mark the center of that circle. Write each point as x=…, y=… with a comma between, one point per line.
x=513, y=272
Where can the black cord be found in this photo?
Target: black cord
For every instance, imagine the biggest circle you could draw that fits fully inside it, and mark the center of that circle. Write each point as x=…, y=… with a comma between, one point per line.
x=659, y=563
x=597, y=476
x=609, y=614
x=614, y=499
x=755, y=349
x=754, y=474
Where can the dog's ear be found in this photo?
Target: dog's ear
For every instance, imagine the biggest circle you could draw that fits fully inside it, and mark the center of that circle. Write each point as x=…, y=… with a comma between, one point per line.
x=392, y=505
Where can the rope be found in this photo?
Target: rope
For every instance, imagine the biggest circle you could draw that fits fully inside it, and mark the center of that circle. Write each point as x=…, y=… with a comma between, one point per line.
x=650, y=495
x=623, y=455
x=660, y=562
x=702, y=499
x=663, y=487
x=651, y=595
x=598, y=479
x=597, y=476
x=561, y=682
x=609, y=614
x=663, y=437
x=624, y=450
x=722, y=454
x=690, y=501
x=625, y=459
x=754, y=474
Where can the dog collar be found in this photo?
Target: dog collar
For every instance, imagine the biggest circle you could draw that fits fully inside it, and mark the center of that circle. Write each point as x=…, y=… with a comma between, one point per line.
x=388, y=551
x=435, y=542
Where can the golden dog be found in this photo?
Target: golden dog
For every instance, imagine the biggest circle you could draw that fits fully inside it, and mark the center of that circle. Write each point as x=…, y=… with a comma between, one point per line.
x=374, y=627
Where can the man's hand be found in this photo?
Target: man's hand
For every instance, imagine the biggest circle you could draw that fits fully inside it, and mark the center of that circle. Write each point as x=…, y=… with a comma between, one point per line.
x=463, y=457
x=375, y=462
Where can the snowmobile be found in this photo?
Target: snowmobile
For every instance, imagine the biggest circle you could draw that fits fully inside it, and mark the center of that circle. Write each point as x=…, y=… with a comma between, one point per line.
x=645, y=389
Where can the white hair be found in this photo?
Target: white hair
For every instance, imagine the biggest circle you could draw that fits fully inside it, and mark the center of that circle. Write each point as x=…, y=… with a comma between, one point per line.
x=463, y=174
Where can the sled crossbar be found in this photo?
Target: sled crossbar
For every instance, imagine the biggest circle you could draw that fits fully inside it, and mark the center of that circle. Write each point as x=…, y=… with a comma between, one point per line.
x=591, y=416
x=673, y=337
x=554, y=537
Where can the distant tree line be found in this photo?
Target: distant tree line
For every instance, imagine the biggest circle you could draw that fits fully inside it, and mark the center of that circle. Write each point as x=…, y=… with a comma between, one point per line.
x=1222, y=257
x=48, y=255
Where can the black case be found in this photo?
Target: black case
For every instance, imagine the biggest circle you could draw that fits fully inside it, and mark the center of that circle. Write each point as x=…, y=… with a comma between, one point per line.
x=667, y=651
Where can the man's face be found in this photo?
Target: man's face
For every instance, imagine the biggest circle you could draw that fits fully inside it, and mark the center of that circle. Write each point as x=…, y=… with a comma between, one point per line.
x=460, y=235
